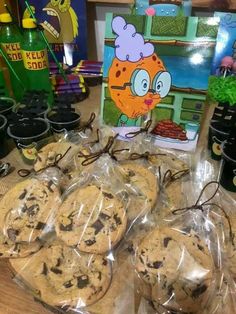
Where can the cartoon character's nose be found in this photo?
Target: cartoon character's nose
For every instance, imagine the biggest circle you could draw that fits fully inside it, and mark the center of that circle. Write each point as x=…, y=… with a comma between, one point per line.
x=152, y=91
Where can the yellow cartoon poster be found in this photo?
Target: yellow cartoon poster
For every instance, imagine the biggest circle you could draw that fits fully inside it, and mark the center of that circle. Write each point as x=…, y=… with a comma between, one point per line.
x=64, y=23
x=158, y=67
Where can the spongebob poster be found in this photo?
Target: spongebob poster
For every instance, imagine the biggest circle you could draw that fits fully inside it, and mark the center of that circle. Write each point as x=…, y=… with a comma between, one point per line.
x=65, y=26
x=158, y=68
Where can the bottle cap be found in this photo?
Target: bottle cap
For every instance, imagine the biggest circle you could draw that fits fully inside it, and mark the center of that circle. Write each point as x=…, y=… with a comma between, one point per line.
x=29, y=23
x=5, y=18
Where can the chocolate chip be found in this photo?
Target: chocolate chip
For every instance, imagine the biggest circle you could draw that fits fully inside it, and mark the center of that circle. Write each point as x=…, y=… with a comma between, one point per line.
x=141, y=259
x=99, y=275
x=186, y=230
x=1, y=254
x=131, y=173
x=104, y=216
x=201, y=248
x=23, y=195
x=45, y=269
x=155, y=265
x=56, y=270
x=144, y=273
x=90, y=242
x=33, y=210
x=108, y=195
x=196, y=236
x=170, y=290
x=40, y=226
x=31, y=198
x=117, y=219
x=16, y=247
x=68, y=284
x=58, y=262
x=198, y=291
x=66, y=228
x=104, y=262
x=24, y=208
x=98, y=226
x=50, y=183
x=131, y=248
x=166, y=241
x=12, y=234
x=82, y=281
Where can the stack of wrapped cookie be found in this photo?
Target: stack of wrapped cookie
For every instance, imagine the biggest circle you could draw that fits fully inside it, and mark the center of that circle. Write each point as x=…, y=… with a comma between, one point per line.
x=99, y=230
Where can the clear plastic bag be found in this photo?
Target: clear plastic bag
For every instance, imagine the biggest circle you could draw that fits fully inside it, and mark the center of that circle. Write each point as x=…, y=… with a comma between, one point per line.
x=28, y=209
x=93, y=216
x=64, y=278
x=224, y=300
x=177, y=261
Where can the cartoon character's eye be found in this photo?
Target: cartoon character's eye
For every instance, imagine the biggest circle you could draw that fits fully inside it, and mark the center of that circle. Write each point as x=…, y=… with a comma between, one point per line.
x=55, y=2
x=64, y=5
x=140, y=81
x=162, y=83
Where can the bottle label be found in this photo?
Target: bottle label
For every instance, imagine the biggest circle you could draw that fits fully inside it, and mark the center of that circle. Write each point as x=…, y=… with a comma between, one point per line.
x=35, y=60
x=13, y=51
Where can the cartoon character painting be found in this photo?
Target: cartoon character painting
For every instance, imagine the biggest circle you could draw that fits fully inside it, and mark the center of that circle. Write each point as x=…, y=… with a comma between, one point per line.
x=65, y=26
x=138, y=79
x=157, y=67
x=59, y=16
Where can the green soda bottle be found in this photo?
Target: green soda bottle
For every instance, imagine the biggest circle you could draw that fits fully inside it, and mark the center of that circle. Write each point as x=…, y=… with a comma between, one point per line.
x=10, y=39
x=3, y=85
x=35, y=58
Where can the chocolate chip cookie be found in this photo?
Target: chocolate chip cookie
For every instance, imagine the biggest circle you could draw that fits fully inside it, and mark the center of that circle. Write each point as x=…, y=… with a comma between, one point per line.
x=168, y=162
x=91, y=219
x=9, y=249
x=179, y=268
x=63, y=277
x=27, y=209
x=231, y=247
x=142, y=188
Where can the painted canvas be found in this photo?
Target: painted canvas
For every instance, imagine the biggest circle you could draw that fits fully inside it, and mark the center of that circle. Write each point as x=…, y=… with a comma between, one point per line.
x=163, y=7
x=158, y=68
x=226, y=42
x=65, y=26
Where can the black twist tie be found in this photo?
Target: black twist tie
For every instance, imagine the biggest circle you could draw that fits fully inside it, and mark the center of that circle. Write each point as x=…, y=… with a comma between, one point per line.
x=91, y=158
x=142, y=130
x=170, y=177
x=146, y=155
x=201, y=206
x=88, y=124
x=26, y=172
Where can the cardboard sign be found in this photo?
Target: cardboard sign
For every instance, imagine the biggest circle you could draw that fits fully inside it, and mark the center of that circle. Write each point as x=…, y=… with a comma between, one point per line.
x=64, y=24
x=158, y=68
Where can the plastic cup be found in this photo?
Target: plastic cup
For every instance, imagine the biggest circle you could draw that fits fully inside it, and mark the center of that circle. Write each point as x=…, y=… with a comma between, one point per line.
x=3, y=139
x=217, y=135
x=6, y=106
x=27, y=133
x=228, y=171
x=61, y=123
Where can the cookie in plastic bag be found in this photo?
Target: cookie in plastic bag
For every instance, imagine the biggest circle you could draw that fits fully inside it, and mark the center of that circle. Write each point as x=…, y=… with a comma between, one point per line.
x=63, y=277
x=91, y=219
x=27, y=210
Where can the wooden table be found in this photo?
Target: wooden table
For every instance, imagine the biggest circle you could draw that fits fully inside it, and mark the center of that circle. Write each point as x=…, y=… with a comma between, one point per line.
x=14, y=300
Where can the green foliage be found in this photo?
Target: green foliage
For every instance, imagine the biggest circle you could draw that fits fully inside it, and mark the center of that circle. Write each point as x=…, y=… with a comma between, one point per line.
x=223, y=89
